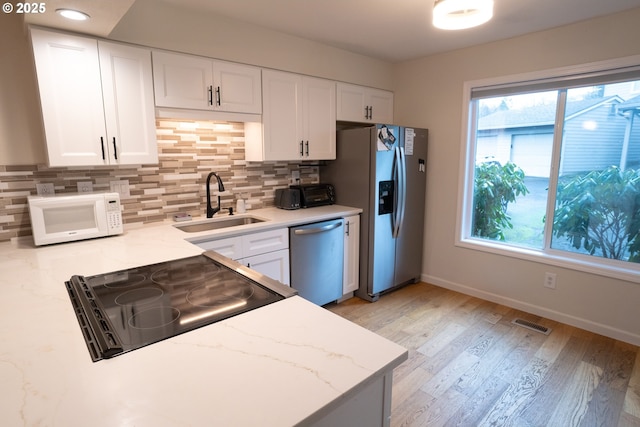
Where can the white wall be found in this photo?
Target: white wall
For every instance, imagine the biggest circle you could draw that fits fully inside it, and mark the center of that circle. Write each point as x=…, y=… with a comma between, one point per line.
x=428, y=93
x=21, y=134
x=156, y=24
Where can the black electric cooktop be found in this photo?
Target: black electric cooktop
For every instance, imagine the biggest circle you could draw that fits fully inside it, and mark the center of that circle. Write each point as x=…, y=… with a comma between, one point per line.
x=128, y=309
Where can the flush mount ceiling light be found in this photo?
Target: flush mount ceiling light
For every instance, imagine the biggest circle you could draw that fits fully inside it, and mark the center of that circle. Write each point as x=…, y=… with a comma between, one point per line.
x=76, y=15
x=461, y=14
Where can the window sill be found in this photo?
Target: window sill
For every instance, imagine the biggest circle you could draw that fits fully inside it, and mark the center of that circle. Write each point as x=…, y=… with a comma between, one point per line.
x=603, y=267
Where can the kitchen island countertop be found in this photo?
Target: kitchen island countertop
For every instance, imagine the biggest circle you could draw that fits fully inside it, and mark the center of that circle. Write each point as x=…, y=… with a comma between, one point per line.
x=284, y=364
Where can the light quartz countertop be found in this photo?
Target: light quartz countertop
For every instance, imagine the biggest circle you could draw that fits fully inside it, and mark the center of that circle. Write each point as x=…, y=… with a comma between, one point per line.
x=283, y=364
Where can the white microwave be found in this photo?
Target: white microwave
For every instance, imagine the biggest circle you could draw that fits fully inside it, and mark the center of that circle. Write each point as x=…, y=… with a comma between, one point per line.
x=70, y=217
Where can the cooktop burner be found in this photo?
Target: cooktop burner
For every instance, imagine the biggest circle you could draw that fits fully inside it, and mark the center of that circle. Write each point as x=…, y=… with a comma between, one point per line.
x=129, y=309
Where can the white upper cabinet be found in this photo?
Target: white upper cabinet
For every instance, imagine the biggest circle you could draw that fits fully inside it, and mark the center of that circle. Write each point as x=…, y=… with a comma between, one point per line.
x=193, y=82
x=237, y=88
x=97, y=100
x=364, y=104
x=298, y=119
x=127, y=88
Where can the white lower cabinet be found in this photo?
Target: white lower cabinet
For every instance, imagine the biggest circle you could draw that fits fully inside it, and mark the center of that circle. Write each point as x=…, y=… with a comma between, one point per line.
x=368, y=406
x=266, y=252
x=230, y=247
x=351, y=277
x=272, y=264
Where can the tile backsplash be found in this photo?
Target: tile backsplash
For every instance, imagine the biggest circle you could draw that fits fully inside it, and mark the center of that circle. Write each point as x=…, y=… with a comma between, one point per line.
x=187, y=151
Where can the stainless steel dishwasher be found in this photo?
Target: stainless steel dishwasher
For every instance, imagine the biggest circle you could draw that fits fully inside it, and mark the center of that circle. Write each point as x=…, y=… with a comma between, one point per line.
x=317, y=258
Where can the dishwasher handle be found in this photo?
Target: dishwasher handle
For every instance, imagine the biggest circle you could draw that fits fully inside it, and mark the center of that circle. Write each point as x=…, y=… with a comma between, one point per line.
x=328, y=227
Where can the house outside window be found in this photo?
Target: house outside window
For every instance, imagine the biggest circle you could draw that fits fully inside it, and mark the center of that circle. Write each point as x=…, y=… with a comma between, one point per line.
x=551, y=168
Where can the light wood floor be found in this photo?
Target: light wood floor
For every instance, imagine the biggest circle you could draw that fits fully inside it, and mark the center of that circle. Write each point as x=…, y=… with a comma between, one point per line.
x=469, y=366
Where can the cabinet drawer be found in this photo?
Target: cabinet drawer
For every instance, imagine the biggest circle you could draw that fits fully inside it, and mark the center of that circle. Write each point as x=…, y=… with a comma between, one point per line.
x=266, y=241
x=230, y=247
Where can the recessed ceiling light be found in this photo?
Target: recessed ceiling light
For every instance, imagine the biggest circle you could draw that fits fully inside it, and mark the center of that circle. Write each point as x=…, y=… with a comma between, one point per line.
x=76, y=15
x=461, y=14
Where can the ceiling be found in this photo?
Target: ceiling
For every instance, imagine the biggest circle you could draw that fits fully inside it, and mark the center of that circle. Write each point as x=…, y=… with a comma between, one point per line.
x=395, y=30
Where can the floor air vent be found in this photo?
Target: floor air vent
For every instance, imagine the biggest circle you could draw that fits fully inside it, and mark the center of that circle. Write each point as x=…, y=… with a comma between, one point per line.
x=532, y=326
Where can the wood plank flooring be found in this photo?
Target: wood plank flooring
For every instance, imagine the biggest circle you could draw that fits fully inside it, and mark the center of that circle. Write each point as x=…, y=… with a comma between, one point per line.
x=470, y=366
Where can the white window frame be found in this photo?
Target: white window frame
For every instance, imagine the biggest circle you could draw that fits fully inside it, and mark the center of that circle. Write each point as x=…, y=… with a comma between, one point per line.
x=623, y=270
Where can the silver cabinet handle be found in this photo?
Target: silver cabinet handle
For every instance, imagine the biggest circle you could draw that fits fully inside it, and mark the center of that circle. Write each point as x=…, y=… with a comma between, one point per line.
x=368, y=112
x=218, y=96
x=210, y=95
x=303, y=231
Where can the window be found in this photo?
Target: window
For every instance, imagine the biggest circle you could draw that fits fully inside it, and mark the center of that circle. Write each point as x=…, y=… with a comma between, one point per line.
x=553, y=169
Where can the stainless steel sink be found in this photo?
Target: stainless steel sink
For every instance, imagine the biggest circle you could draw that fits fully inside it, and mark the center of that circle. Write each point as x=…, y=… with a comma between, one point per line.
x=216, y=224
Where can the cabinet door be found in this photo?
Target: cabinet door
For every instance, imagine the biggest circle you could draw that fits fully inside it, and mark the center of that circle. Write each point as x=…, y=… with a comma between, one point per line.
x=363, y=104
x=182, y=81
x=351, y=103
x=381, y=104
x=351, y=280
x=68, y=72
x=127, y=87
x=237, y=88
x=319, y=119
x=282, y=121
x=272, y=264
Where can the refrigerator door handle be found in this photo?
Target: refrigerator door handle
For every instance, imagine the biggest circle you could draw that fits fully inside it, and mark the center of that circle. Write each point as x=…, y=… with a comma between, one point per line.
x=399, y=179
x=403, y=189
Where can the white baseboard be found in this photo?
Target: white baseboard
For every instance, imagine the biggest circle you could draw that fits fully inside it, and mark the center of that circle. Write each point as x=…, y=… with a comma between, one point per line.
x=578, y=322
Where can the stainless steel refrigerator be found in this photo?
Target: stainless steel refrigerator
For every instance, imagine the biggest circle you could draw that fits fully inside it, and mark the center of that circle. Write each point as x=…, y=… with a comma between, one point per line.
x=382, y=170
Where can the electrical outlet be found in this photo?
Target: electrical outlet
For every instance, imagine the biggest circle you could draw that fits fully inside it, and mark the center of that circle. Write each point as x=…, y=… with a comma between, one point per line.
x=120, y=187
x=85, y=187
x=45, y=189
x=550, y=280
x=295, y=177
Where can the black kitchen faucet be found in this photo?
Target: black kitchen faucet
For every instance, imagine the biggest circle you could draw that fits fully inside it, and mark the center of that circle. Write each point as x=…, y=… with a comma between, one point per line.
x=211, y=211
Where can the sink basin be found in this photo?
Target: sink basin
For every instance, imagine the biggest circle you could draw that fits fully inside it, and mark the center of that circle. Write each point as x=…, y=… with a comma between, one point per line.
x=216, y=224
